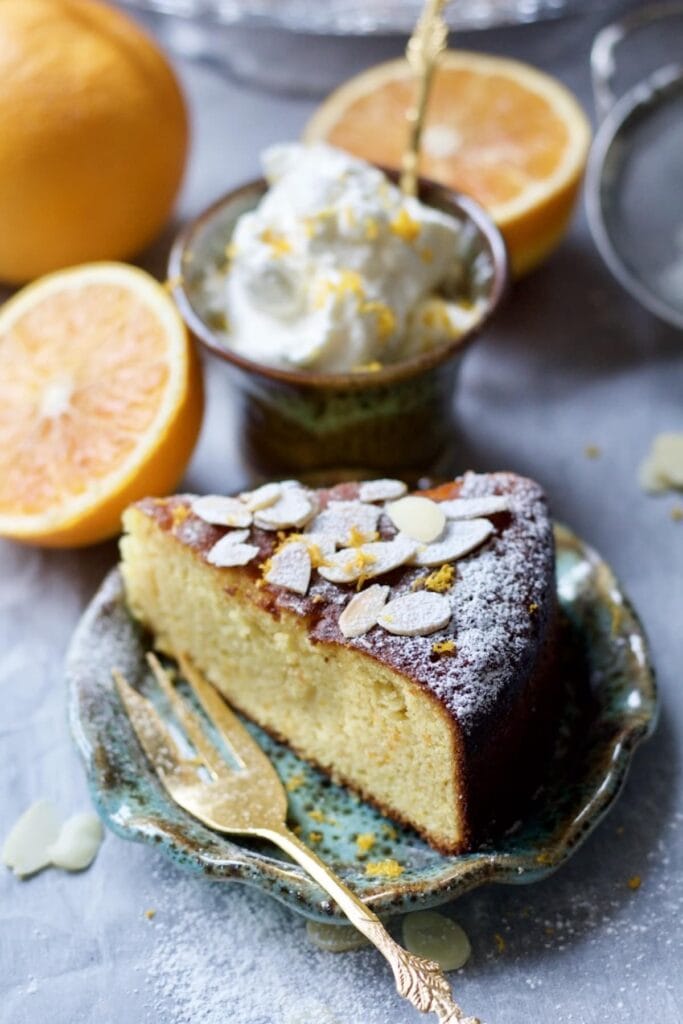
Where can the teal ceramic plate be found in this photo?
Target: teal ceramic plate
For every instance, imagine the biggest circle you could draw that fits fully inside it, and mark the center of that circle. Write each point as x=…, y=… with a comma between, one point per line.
x=610, y=707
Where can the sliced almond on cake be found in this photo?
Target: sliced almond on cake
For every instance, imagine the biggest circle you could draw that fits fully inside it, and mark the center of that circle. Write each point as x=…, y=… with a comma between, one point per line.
x=290, y=567
x=475, y=508
x=362, y=611
x=459, y=538
x=417, y=614
x=417, y=517
x=381, y=490
x=293, y=508
x=368, y=560
x=227, y=553
x=219, y=511
x=345, y=522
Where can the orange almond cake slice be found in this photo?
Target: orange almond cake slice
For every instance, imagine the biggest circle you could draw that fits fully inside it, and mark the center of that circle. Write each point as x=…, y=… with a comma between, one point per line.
x=402, y=643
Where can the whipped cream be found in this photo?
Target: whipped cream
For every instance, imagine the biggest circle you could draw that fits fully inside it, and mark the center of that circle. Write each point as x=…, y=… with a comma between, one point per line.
x=336, y=269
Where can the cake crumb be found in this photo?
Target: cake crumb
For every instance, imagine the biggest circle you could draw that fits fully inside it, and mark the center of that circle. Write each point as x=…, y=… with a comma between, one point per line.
x=150, y=914
x=533, y=608
x=500, y=942
x=315, y=837
x=441, y=579
x=365, y=842
x=389, y=868
x=444, y=647
x=677, y=513
x=389, y=831
x=295, y=782
x=634, y=882
x=592, y=451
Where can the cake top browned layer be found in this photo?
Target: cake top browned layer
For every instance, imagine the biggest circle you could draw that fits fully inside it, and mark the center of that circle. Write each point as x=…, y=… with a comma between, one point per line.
x=498, y=598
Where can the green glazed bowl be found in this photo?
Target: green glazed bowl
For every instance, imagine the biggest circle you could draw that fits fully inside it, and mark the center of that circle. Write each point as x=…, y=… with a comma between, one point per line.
x=610, y=707
x=397, y=418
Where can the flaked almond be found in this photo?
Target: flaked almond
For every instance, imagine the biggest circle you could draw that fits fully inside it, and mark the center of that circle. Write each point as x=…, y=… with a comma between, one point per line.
x=220, y=511
x=236, y=536
x=346, y=521
x=227, y=553
x=262, y=497
x=368, y=560
x=362, y=611
x=293, y=508
x=418, y=518
x=459, y=538
x=416, y=614
x=475, y=508
x=381, y=490
x=290, y=567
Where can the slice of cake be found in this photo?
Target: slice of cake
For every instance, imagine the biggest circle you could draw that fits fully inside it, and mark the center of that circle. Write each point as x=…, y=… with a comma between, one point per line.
x=402, y=643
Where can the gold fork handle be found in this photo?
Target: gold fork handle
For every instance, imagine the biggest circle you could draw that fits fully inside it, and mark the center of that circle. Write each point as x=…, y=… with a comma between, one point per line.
x=418, y=980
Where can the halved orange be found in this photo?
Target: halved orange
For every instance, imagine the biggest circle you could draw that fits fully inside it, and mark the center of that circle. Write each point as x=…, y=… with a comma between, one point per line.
x=100, y=402
x=510, y=136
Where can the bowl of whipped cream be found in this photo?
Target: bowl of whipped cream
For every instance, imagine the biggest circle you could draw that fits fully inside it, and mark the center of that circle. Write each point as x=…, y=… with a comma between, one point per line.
x=343, y=305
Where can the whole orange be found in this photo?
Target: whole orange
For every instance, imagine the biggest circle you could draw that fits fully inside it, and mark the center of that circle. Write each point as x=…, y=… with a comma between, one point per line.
x=93, y=140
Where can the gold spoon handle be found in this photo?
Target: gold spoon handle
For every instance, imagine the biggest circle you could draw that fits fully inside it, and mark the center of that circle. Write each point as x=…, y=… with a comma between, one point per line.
x=418, y=980
x=427, y=42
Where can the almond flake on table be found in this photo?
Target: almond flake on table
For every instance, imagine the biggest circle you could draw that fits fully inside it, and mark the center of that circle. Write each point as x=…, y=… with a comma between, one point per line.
x=26, y=848
x=475, y=508
x=227, y=553
x=77, y=843
x=368, y=560
x=290, y=567
x=341, y=519
x=417, y=517
x=417, y=614
x=293, y=508
x=381, y=490
x=362, y=611
x=263, y=497
x=220, y=511
x=662, y=470
x=459, y=538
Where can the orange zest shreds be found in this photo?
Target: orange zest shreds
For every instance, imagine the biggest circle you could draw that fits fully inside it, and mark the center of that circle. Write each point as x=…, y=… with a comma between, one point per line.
x=634, y=883
x=444, y=647
x=500, y=942
x=405, y=226
x=384, y=868
x=389, y=831
x=441, y=579
x=386, y=320
x=279, y=245
x=315, y=837
x=295, y=782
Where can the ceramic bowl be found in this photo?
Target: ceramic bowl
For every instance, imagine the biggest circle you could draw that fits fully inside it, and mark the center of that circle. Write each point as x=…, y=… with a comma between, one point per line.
x=397, y=418
x=610, y=707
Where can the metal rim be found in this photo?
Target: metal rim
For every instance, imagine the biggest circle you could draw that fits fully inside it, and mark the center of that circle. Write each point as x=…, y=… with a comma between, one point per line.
x=630, y=106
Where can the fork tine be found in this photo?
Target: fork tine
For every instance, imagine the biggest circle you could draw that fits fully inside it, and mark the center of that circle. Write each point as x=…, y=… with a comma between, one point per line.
x=153, y=735
x=244, y=748
x=189, y=720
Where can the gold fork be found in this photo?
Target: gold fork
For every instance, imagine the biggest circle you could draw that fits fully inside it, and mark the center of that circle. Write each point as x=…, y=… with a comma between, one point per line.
x=251, y=800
